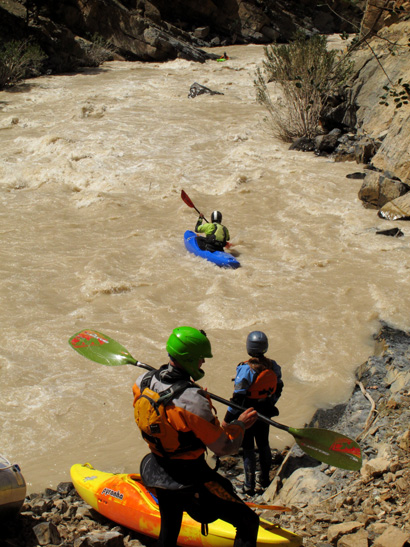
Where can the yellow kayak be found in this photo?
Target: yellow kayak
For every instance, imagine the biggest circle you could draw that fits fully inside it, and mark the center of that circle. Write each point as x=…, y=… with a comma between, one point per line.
x=124, y=499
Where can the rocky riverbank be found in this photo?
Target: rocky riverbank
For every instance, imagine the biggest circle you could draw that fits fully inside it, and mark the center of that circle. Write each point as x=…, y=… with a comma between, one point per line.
x=370, y=507
x=157, y=30
x=330, y=507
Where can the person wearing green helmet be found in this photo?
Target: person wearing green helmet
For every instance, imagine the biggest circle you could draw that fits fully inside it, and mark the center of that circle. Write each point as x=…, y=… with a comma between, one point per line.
x=187, y=346
x=176, y=466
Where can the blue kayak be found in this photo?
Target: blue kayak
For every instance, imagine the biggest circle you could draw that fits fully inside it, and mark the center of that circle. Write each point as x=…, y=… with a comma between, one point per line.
x=220, y=258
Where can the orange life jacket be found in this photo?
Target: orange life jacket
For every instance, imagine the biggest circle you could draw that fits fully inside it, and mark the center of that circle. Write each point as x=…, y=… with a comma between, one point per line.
x=263, y=386
x=150, y=412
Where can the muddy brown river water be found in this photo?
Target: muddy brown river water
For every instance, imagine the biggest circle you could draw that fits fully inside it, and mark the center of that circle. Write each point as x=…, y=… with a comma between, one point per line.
x=92, y=166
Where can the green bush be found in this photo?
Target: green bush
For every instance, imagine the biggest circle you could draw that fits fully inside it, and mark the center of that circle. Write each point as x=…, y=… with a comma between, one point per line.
x=306, y=74
x=17, y=59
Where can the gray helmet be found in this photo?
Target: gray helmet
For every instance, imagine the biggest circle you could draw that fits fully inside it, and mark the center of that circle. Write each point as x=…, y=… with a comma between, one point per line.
x=216, y=217
x=256, y=343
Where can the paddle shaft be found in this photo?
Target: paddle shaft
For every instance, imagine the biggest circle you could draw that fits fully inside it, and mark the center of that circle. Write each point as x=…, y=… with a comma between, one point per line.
x=226, y=402
x=261, y=417
x=199, y=213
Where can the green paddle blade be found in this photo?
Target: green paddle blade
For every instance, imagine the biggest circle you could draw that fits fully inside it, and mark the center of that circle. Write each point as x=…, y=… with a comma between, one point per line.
x=322, y=444
x=101, y=348
x=329, y=447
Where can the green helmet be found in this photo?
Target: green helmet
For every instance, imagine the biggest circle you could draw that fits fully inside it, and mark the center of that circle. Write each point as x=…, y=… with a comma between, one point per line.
x=187, y=345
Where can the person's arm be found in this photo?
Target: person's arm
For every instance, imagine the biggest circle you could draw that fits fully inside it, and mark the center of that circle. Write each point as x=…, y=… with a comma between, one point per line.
x=231, y=441
x=278, y=392
x=279, y=386
x=243, y=380
x=232, y=413
x=198, y=224
x=198, y=417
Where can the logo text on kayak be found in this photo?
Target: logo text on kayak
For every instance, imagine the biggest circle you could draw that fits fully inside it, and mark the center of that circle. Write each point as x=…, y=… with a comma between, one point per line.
x=113, y=493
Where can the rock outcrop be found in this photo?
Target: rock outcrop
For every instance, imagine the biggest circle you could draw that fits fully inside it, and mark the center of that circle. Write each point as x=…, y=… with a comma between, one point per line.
x=159, y=30
x=372, y=116
x=380, y=77
x=386, y=124
x=369, y=507
x=368, y=120
x=379, y=14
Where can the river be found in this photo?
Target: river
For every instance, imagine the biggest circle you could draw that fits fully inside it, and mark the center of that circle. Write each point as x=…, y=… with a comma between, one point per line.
x=92, y=167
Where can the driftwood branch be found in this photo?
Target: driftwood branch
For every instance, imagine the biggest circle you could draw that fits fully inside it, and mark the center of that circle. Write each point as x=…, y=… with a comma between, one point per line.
x=342, y=490
x=372, y=414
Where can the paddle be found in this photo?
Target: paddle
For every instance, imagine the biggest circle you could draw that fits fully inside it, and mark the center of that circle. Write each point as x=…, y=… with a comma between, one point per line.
x=322, y=444
x=189, y=202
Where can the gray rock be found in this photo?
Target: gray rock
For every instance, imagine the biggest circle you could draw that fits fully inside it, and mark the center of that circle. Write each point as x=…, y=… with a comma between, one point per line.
x=199, y=89
x=327, y=143
x=101, y=539
x=304, y=486
x=47, y=533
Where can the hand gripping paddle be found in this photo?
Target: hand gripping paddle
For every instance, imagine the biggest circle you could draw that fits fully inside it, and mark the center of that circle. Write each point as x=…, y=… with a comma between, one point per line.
x=322, y=444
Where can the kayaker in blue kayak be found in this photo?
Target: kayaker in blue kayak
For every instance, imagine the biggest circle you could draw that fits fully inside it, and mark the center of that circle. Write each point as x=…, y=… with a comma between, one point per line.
x=216, y=234
x=258, y=384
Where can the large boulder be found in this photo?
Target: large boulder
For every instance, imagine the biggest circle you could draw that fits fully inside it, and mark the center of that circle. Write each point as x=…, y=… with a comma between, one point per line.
x=398, y=209
x=304, y=486
x=378, y=189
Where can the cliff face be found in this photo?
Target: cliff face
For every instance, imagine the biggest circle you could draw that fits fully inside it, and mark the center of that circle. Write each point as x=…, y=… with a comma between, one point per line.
x=380, y=93
x=381, y=88
x=382, y=13
x=159, y=30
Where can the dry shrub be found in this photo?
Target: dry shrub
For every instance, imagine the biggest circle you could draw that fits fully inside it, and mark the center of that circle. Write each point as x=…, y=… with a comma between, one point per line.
x=17, y=60
x=98, y=50
x=307, y=74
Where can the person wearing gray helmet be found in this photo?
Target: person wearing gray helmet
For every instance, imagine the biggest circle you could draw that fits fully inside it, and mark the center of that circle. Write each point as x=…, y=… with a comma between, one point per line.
x=258, y=384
